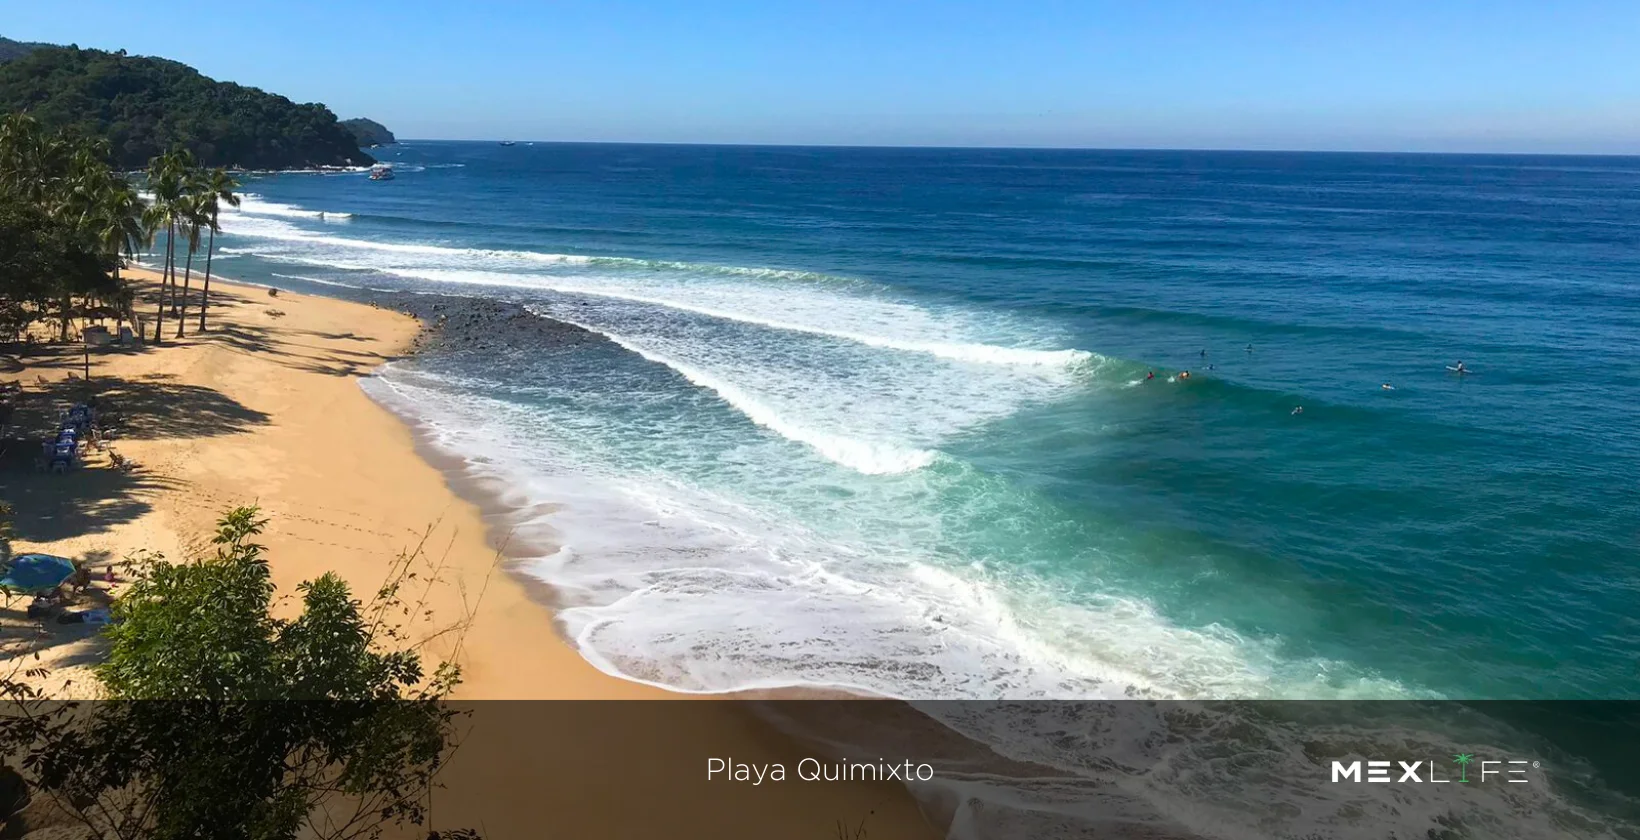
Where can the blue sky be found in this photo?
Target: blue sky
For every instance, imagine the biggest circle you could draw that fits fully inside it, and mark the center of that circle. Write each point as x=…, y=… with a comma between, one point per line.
x=1437, y=75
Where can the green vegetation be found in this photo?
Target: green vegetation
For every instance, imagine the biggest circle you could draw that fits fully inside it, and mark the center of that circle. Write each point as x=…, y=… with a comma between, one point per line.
x=226, y=721
x=147, y=106
x=63, y=214
x=67, y=221
x=369, y=132
x=10, y=49
x=44, y=266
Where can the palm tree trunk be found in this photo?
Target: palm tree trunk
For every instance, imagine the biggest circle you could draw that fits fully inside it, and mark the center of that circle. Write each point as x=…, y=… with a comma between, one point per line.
x=159, y=323
x=205, y=296
x=187, y=279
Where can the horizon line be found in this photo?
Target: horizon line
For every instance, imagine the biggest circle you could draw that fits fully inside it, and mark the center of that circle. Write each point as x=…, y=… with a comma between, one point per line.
x=943, y=147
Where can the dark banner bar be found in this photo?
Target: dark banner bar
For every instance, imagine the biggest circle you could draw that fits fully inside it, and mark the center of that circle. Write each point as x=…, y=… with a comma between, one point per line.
x=880, y=769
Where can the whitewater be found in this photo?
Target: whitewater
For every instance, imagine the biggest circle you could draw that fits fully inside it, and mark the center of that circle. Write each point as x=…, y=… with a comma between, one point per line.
x=862, y=380
x=882, y=421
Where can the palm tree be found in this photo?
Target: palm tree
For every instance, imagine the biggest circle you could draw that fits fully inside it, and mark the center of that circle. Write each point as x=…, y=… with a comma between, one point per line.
x=68, y=177
x=106, y=211
x=114, y=221
x=19, y=139
x=1463, y=760
x=193, y=217
x=218, y=189
x=166, y=179
x=33, y=162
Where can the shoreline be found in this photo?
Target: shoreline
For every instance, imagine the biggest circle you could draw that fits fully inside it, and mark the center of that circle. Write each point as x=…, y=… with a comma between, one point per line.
x=267, y=408
x=501, y=520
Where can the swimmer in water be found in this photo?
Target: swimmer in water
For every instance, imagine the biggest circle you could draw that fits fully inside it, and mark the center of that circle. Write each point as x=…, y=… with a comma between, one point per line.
x=1204, y=353
x=1151, y=376
x=1184, y=374
x=1297, y=410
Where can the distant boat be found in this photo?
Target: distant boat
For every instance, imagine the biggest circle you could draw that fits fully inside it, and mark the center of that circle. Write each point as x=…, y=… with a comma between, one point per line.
x=508, y=143
x=381, y=172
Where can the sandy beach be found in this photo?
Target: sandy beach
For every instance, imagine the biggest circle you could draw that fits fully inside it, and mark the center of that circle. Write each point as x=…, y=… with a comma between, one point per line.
x=266, y=409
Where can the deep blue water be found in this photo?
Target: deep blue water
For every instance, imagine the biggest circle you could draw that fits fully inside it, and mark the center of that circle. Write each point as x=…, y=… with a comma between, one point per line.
x=879, y=418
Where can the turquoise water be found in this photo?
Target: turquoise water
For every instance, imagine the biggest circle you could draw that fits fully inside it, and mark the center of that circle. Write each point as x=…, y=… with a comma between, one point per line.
x=879, y=418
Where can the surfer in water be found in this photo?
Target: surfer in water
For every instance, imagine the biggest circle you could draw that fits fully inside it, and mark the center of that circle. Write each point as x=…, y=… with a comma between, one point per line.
x=1151, y=376
x=1458, y=368
x=1388, y=387
x=1184, y=374
x=1249, y=348
x=1297, y=410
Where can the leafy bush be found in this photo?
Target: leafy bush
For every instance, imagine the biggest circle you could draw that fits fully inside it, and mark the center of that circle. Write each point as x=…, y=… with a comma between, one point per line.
x=226, y=721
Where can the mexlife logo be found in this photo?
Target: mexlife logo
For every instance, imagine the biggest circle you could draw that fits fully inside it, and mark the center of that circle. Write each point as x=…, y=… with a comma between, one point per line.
x=1429, y=772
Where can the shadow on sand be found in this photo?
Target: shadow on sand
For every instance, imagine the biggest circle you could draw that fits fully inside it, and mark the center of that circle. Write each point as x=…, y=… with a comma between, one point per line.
x=93, y=498
x=286, y=346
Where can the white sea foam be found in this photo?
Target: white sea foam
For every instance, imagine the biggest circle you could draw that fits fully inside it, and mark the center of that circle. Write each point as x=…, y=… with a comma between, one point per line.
x=675, y=585
x=253, y=204
x=679, y=585
x=804, y=360
x=865, y=457
x=699, y=552
x=246, y=224
x=483, y=267
x=872, y=384
x=978, y=353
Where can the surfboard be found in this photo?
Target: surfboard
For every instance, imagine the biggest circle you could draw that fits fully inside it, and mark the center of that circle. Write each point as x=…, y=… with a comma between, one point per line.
x=1456, y=370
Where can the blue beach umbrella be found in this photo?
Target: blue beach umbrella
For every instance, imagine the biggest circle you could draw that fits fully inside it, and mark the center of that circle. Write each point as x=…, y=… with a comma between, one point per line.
x=34, y=574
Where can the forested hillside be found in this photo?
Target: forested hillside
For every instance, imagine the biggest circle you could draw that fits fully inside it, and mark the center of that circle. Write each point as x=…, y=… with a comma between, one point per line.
x=144, y=106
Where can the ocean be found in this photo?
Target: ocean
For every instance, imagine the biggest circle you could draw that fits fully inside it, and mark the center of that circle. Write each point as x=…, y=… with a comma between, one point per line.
x=883, y=419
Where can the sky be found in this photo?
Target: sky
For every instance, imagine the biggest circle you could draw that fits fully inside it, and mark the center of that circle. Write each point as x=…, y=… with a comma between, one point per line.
x=1383, y=75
